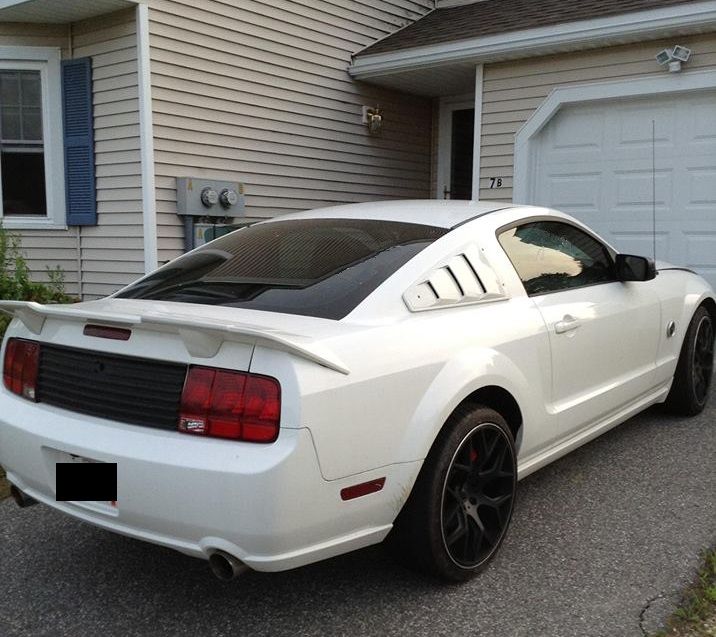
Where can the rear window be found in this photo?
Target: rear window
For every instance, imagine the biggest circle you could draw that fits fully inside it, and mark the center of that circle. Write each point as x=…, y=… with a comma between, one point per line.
x=313, y=267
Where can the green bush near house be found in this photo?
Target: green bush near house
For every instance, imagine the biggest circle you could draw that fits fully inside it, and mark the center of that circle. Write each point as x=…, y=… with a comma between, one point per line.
x=15, y=285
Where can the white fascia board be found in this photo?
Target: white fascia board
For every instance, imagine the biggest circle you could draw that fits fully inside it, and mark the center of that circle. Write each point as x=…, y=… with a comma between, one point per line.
x=641, y=24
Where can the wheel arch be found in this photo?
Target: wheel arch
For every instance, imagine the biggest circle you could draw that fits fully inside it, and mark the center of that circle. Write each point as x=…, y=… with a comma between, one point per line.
x=710, y=305
x=476, y=377
x=503, y=402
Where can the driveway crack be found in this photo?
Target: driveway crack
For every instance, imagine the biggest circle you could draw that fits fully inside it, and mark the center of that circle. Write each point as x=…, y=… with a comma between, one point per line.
x=642, y=614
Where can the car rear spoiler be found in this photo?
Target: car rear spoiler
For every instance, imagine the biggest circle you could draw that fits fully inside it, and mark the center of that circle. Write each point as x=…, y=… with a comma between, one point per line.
x=202, y=338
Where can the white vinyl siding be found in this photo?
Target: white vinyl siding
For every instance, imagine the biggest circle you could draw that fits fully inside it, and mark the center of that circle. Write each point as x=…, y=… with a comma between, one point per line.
x=111, y=254
x=514, y=89
x=258, y=92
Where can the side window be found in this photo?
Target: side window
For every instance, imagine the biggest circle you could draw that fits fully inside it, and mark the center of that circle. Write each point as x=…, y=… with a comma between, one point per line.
x=550, y=256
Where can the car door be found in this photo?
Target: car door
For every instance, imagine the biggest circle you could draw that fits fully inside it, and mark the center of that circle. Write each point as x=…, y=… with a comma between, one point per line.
x=603, y=333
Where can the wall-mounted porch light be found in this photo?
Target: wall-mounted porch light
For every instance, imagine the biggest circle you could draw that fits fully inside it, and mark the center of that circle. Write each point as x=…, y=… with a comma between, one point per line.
x=373, y=119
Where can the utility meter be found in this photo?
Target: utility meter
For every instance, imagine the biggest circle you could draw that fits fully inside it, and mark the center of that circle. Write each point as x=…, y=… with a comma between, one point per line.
x=209, y=197
x=228, y=198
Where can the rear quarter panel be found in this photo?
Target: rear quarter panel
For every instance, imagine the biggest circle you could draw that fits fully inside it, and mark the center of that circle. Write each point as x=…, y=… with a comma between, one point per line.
x=406, y=378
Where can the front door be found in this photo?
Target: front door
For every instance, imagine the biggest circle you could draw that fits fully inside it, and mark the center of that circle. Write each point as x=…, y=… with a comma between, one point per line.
x=456, y=144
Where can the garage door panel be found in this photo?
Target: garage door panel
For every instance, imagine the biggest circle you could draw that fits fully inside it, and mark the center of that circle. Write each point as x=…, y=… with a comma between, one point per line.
x=701, y=123
x=700, y=249
x=636, y=187
x=575, y=190
x=576, y=138
x=634, y=124
x=597, y=165
x=701, y=186
x=639, y=242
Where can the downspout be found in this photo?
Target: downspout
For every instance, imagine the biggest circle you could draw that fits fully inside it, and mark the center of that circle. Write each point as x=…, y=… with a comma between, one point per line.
x=146, y=140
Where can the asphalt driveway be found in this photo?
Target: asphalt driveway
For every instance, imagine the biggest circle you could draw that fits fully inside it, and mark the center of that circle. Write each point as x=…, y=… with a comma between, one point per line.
x=601, y=543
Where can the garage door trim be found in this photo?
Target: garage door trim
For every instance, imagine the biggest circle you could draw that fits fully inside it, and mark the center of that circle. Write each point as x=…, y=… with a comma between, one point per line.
x=524, y=173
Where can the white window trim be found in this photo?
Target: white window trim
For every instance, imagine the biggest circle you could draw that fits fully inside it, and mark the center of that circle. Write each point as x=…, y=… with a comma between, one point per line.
x=47, y=61
x=524, y=171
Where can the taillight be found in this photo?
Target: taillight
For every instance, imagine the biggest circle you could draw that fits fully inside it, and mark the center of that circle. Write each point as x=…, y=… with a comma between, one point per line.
x=225, y=404
x=22, y=360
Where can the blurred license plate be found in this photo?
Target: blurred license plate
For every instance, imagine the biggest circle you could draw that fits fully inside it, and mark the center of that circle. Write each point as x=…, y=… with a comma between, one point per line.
x=85, y=480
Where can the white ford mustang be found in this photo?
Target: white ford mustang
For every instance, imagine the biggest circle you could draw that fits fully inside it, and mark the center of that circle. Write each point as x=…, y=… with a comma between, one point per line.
x=311, y=384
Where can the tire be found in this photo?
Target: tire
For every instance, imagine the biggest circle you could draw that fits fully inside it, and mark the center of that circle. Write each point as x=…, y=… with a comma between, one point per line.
x=460, y=508
x=692, y=379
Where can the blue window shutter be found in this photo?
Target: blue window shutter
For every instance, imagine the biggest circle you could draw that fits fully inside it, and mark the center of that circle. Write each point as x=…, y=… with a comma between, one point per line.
x=79, y=142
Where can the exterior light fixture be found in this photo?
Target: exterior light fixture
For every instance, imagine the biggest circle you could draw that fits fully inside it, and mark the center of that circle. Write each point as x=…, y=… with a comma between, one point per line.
x=673, y=58
x=373, y=119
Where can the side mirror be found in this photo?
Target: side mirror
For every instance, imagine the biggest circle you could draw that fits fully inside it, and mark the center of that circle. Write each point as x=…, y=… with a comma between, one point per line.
x=633, y=268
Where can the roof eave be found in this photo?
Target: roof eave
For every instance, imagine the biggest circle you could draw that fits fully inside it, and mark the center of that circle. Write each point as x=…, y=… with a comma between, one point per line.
x=642, y=25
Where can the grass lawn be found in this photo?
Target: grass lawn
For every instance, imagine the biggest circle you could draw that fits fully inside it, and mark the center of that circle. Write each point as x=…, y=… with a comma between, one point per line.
x=4, y=486
x=696, y=616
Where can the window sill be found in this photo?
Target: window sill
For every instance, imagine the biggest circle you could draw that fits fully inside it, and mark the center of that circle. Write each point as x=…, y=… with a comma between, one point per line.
x=28, y=223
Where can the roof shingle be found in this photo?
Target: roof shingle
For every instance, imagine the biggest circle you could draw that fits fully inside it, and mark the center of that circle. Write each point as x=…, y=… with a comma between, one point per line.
x=490, y=17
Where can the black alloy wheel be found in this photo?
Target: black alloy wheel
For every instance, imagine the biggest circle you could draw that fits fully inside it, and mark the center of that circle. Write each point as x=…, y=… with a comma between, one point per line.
x=703, y=358
x=478, y=495
x=460, y=507
x=694, y=371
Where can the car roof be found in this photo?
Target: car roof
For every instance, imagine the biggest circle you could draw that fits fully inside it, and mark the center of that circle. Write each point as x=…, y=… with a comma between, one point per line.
x=433, y=212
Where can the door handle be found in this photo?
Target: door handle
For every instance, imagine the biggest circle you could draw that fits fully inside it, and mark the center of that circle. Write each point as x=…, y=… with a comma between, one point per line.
x=567, y=324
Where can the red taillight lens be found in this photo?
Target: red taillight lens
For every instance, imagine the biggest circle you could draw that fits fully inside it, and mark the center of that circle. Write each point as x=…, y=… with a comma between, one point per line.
x=22, y=360
x=225, y=404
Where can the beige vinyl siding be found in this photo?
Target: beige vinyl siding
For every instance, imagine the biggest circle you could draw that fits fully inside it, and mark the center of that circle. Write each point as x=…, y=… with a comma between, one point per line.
x=514, y=89
x=30, y=34
x=111, y=254
x=258, y=92
x=113, y=250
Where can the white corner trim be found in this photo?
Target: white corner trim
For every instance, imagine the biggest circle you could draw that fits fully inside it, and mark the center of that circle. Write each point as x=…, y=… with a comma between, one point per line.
x=146, y=135
x=665, y=83
x=477, y=137
x=639, y=24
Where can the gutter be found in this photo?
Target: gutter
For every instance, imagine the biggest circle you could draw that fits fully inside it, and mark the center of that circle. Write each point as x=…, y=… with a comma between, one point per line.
x=640, y=25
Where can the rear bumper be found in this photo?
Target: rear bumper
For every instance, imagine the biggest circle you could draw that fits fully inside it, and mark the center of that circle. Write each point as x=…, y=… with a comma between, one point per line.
x=266, y=504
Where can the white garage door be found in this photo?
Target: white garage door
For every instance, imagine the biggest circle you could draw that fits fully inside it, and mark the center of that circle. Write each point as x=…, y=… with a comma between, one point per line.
x=594, y=161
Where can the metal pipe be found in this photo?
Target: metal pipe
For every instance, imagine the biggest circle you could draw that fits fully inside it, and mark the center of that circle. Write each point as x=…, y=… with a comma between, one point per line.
x=225, y=566
x=21, y=499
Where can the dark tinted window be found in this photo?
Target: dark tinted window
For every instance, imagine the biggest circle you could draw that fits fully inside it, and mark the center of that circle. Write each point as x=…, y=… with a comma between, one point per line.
x=551, y=256
x=315, y=267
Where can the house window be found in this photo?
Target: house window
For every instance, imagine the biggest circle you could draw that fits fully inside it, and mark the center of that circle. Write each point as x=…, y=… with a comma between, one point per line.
x=22, y=153
x=32, y=190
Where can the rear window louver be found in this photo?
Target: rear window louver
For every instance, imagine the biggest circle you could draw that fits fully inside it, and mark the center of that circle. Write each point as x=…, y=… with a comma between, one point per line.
x=456, y=282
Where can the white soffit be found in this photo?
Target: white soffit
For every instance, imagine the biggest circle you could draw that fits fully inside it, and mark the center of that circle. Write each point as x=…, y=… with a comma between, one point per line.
x=384, y=68
x=58, y=11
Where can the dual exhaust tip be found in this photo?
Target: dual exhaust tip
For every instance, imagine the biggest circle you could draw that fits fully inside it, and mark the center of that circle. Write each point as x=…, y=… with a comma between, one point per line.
x=224, y=565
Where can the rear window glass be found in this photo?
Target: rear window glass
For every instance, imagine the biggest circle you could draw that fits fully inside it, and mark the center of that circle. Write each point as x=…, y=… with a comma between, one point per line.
x=314, y=267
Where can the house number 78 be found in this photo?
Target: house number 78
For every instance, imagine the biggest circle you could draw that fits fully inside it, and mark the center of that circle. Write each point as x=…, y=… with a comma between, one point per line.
x=495, y=182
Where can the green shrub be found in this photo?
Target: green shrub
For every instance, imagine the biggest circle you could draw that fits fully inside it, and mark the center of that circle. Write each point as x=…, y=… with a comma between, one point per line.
x=15, y=283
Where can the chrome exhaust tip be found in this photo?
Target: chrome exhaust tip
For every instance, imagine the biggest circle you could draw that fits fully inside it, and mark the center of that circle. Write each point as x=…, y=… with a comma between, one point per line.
x=21, y=499
x=225, y=566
